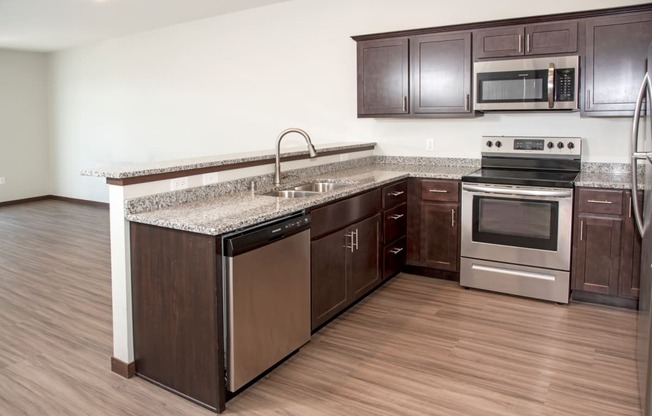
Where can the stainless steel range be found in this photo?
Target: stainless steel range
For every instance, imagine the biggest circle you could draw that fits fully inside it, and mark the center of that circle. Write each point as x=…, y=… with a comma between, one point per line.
x=517, y=216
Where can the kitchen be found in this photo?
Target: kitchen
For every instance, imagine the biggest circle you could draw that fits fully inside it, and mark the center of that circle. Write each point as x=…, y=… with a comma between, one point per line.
x=151, y=82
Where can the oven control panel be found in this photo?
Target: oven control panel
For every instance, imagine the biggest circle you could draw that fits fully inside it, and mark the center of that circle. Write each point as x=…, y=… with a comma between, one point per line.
x=531, y=146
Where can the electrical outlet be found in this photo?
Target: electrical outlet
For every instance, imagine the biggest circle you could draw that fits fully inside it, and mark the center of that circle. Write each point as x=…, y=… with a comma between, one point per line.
x=209, y=178
x=344, y=158
x=2, y=180
x=179, y=183
x=430, y=145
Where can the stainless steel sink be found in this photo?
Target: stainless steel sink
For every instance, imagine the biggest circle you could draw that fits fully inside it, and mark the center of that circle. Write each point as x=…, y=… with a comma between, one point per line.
x=291, y=193
x=321, y=186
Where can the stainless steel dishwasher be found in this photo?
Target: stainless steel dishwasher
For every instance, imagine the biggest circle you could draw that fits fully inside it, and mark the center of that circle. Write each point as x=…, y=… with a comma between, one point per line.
x=267, y=296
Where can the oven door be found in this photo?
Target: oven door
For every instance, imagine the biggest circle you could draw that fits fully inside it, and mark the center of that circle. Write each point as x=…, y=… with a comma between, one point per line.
x=517, y=224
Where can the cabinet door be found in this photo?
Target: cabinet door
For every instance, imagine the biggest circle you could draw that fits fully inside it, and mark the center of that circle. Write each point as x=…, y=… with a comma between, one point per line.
x=439, y=236
x=551, y=38
x=329, y=291
x=441, y=73
x=383, y=77
x=616, y=52
x=365, y=259
x=630, y=254
x=597, y=254
x=499, y=42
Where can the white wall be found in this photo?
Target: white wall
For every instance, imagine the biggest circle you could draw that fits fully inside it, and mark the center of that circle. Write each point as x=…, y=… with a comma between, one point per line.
x=24, y=160
x=232, y=83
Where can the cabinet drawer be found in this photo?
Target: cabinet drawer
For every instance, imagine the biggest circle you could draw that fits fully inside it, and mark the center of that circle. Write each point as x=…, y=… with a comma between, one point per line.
x=440, y=190
x=340, y=214
x=394, y=258
x=394, y=194
x=600, y=201
x=395, y=221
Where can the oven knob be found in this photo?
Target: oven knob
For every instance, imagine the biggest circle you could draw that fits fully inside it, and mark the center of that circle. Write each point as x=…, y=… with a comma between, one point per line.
x=498, y=143
x=551, y=145
x=571, y=145
x=489, y=143
x=560, y=145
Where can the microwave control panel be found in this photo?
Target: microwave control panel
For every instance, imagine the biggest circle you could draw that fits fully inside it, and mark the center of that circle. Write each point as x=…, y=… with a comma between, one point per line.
x=565, y=84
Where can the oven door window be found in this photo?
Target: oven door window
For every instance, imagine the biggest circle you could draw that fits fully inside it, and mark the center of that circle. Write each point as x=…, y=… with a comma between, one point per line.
x=516, y=222
x=513, y=86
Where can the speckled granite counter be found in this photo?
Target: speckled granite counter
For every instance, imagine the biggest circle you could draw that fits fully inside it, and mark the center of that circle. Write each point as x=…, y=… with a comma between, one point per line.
x=607, y=175
x=224, y=213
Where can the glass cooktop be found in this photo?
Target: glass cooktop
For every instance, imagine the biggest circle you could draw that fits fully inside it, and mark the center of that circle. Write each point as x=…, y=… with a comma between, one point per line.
x=523, y=177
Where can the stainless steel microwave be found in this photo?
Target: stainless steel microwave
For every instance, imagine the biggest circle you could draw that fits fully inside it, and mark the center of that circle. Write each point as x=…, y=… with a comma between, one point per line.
x=527, y=84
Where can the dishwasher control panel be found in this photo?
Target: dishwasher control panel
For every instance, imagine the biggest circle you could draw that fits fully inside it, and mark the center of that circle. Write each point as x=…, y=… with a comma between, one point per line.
x=264, y=233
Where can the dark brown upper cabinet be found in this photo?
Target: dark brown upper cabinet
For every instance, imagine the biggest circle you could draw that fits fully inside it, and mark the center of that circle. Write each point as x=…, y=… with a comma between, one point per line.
x=440, y=66
x=536, y=39
x=615, y=63
x=383, y=77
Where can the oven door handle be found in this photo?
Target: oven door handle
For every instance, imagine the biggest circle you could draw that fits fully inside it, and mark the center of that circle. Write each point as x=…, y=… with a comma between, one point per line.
x=518, y=192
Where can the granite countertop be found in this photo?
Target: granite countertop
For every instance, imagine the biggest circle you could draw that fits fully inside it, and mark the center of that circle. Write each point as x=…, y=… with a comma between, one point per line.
x=607, y=175
x=153, y=168
x=222, y=214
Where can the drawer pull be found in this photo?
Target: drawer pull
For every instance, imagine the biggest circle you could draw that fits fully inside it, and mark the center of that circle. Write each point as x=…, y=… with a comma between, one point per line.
x=396, y=250
x=396, y=216
x=630, y=207
x=397, y=193
x=598, y=201
x=438, y=191
x=581, y=230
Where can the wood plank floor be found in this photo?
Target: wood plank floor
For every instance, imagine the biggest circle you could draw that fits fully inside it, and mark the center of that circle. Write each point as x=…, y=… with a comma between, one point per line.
x=418, y=346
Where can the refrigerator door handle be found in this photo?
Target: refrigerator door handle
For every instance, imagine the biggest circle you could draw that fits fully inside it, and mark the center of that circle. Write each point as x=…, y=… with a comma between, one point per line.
x=645, y=86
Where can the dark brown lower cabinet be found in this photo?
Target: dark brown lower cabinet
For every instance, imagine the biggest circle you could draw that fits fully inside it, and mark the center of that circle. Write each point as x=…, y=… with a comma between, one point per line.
x=439, y=247
x=606, y=247
x=177, y=312
x=346, y=265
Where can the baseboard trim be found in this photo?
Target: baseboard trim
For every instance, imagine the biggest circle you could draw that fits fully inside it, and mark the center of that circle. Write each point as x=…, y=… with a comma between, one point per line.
x=580, y=296
x=56, y=198
x=123, y=369
x=24, y=201
x=80, y=201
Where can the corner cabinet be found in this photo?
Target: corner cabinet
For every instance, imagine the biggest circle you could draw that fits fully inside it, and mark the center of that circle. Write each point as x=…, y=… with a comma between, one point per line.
x=517, y=41
x=421, y=76
x=606, y=248
x=615, y=63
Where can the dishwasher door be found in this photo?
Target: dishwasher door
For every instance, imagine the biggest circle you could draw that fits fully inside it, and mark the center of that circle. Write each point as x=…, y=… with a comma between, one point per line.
x=267, y=302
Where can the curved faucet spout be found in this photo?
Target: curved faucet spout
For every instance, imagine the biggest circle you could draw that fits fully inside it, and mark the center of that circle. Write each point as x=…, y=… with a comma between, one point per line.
x=311, y=151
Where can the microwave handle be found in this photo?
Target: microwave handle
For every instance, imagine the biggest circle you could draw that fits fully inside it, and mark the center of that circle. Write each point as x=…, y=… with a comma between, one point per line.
x=551, y=85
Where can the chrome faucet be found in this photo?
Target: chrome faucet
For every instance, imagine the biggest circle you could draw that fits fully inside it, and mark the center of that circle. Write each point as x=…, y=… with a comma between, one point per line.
x=311, y=150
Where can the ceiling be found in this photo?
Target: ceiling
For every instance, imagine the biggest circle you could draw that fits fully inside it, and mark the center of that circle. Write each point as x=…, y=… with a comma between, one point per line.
x=50, y=25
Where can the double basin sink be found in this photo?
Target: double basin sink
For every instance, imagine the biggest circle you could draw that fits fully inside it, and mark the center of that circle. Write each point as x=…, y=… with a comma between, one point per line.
x=308, y=189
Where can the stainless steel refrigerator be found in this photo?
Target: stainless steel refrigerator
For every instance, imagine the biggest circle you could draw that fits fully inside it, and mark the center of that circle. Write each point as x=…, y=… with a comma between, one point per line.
x=642, y=156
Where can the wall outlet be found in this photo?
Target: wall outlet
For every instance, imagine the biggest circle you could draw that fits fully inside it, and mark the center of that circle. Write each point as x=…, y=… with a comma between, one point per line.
x=430, y=145
x=344, y=158
x=179, y=183
x=2, y=180
x=209, y=178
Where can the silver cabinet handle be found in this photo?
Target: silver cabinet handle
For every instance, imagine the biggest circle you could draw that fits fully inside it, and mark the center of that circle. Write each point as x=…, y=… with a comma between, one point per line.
x=520, y=43
x=453, y=218
x=630, y=207
x=346, y=245
x=527, y=43
x=355, y=244
x=438, y=191
x=587, y=104
x=596, y=201
x=467, y=105
x=405, y=109
x=581, y=230
x=397, y=193
x=396, y=216
x=396, y=250
x=551, y=86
